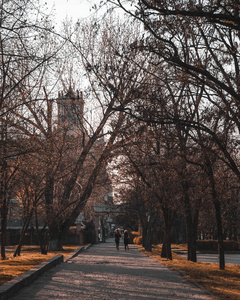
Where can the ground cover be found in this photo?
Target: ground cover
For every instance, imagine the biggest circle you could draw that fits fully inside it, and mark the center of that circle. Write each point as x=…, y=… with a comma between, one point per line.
x=225, y=284
x=30, y=257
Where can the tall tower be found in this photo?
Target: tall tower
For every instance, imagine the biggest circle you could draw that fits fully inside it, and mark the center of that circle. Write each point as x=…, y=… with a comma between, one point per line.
x=70, y=109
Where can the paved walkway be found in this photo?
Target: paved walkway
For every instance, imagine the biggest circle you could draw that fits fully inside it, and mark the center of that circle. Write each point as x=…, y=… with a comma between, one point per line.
x=103, y=272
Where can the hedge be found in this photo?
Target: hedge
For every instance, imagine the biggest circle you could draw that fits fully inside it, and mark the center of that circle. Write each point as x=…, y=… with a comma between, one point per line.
x=212, y=245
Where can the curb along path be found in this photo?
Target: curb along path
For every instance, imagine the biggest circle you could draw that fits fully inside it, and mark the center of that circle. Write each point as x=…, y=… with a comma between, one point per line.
x=10, y=288
x=102, y=272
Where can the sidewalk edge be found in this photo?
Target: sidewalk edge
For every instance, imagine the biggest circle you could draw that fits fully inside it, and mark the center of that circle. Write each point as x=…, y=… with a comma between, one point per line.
x=76, y=252
x=8, y=289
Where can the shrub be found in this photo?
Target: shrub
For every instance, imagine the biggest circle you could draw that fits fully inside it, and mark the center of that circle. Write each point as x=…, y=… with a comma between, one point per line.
x=132, y=236
x=212, y=245
x=137, y=240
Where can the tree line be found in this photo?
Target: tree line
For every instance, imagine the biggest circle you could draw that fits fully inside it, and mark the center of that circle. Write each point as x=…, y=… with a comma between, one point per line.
x=190, y=115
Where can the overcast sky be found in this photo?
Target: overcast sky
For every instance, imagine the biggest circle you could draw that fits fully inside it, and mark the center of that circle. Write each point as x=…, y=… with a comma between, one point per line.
x=75, y=9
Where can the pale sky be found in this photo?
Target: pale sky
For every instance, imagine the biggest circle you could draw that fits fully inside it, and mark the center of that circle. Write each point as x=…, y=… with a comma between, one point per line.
x=75, y=9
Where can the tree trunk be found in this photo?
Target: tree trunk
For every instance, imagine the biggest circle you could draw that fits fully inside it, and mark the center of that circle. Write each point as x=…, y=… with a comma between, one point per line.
x=149, y=239
x=217, y=206
x=193, y=254
x=103, y=230
x=3, y=194
x=166, y=247
x=191, y=235
x=41, y=240
x=147, y=233
x=55, y=239
x=55, y=245
x=24, y=229
x=144, y=235
x=3, y=228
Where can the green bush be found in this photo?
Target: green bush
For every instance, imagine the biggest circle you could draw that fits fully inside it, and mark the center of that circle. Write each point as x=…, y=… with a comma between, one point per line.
x=212, y=245
x=231, y=246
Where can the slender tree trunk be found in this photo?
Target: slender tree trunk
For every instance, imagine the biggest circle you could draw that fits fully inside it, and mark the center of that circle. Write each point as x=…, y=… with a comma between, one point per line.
x=3, y=227
x=103, y=230
x=3, y=192
x=193, y=254
x=217, y=206
x=147, y=233
x=43, y=246
x=191, y=235
x=54, y=243
x=221, y=255
x=149, y=240
x=193, y=225
x=144, y=235
x=166, y=247
x=24, y=229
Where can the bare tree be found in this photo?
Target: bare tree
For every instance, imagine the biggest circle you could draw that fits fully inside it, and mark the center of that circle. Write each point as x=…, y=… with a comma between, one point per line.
x=22, y=31
x=113, y=83
x=201, y=41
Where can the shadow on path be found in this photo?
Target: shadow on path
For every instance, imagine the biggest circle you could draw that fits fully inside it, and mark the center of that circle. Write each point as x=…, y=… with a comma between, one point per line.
x=103, y=272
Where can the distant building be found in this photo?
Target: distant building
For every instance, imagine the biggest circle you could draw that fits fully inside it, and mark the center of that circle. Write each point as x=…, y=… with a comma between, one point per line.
x=70, y=109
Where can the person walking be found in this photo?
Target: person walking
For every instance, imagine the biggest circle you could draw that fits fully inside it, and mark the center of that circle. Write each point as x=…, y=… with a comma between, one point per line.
x=126, y=239
x=117, y=237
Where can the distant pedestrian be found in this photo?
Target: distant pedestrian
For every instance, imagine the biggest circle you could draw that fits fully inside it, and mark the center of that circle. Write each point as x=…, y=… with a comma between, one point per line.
x=117, y=237
x=126, y=239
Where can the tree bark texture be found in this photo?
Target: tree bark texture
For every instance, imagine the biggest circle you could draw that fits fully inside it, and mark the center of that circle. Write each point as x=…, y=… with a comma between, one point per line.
x=168, y=221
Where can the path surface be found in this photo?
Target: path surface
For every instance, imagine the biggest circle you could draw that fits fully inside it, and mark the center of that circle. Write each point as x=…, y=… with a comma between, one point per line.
x=102, y=272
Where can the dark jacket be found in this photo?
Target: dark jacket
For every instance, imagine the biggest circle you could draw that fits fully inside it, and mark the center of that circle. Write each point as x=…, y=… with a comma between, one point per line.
x=117, y=236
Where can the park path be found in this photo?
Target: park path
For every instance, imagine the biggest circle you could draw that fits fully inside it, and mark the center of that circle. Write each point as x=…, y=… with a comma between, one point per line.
x=103, y=272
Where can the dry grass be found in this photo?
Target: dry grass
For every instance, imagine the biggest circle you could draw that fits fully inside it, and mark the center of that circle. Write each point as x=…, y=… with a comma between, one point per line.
x=30, y=257
x=225, y=284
